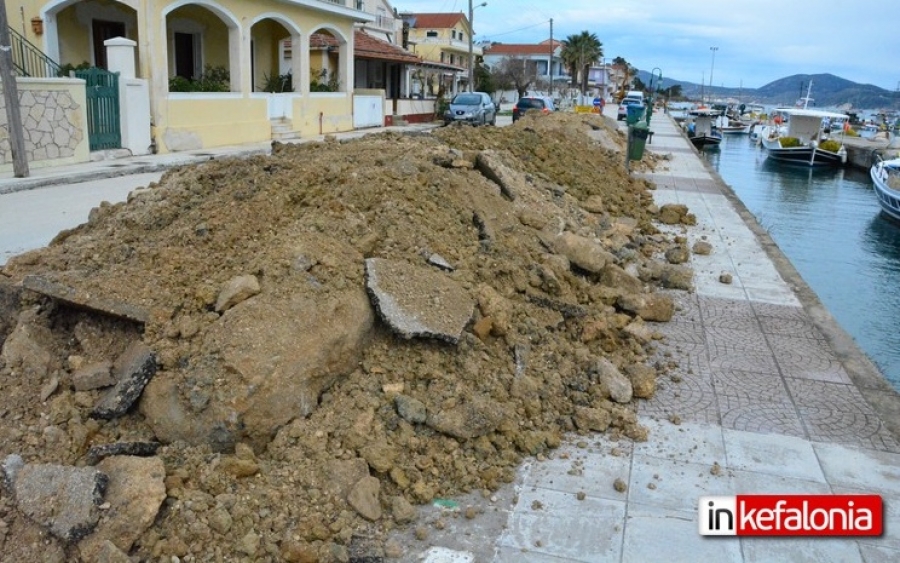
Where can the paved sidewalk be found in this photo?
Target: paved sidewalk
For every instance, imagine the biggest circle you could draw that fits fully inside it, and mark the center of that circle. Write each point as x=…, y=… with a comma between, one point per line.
x=768, y=396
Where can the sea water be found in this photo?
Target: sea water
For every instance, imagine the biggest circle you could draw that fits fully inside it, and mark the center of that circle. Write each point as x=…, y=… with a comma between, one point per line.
x=829, y=225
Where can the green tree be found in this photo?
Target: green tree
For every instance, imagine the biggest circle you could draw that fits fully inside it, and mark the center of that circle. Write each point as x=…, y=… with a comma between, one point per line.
x=578, y=53
x=484, y=80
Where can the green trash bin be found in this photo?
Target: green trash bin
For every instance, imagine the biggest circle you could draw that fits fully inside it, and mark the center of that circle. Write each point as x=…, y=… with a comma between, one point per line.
x=634, y=113
x=639, y=134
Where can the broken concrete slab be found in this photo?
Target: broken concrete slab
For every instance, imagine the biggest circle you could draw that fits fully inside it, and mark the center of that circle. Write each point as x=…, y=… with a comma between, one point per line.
x=84, y=299
x=613, y=380
x=132, y=370
x=10, y=296
x=64, y=499
x=490, y=164
x=418, y=302
x=137, y=449
x=135, y=492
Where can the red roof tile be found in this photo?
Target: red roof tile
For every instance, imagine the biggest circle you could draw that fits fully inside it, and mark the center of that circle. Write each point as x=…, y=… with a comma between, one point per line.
x=433, y=21
x=319, y=40
x=510, y=49
x=367, y=47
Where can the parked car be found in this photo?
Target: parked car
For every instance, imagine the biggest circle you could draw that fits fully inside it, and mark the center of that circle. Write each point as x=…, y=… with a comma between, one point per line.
x=475, y=108
x=541, y=103
x=623, y=107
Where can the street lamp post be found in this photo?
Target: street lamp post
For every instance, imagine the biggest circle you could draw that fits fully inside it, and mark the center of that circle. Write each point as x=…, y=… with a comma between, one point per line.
x=712, y=66
x=471, y=44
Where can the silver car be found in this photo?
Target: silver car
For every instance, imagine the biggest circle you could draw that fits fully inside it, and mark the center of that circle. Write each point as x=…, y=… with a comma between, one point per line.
x=475, y=108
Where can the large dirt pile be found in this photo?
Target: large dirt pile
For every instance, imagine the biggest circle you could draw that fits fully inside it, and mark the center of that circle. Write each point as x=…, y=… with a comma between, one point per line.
x=271, y=358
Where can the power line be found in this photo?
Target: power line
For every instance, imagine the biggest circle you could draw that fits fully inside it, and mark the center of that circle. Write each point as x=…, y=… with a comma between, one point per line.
x=520, y=29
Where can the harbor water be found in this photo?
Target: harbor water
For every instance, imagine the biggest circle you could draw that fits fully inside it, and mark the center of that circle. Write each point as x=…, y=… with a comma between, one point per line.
x=829, y=225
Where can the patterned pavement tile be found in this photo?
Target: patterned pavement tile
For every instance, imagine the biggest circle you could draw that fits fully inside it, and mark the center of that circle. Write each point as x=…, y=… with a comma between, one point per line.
x=680, y=332
x=839, y=414
x=691, y=397
x=808, y=359
x=715, y=308
x=743, y=361
x=780, y=311
x=730, y=340
x=740, y=413
x=751, y=385
x=797, y=328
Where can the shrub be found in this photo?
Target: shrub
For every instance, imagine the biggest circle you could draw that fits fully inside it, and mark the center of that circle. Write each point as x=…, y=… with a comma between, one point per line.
x=830, y=145
x=324, y=83
x=279, y=83
x=213, y=79
x=788, y=142
x=67, y=68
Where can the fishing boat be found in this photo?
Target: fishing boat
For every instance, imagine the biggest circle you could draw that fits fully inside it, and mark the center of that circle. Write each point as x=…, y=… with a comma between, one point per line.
x=701, y=129
x=886, y=177
x=803, y=141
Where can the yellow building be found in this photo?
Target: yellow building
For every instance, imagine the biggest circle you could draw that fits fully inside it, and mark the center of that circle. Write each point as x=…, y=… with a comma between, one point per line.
x=444, y=39
x=220, y=72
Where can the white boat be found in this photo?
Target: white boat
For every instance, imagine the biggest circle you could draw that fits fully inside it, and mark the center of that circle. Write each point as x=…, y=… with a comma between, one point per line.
x=886, y=177
x=803, y=141
x=701, y=129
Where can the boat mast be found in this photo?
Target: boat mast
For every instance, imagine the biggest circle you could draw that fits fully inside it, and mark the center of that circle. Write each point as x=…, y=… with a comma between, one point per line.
x=806, y=99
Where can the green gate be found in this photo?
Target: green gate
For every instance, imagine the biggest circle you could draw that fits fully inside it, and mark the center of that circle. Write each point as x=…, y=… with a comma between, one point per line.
x=102, y=87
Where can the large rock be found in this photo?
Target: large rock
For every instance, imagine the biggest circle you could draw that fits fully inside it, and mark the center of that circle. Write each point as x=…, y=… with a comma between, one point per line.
x=236, y=290
x=135, y=493
x=287, y=351
x=416, y=301
x=583, y=252
x=469, y=419
x=614, y=276
x=614, y=381
x=28, y=347
x=654, y=307
x=64, y=499
x=511, y=182
x=364, y=498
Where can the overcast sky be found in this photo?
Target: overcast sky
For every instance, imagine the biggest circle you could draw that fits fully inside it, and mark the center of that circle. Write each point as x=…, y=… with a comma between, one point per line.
x=758, y=41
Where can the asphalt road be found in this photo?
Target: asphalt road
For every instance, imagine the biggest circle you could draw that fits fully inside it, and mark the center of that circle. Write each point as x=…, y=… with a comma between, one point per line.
x=30, y=219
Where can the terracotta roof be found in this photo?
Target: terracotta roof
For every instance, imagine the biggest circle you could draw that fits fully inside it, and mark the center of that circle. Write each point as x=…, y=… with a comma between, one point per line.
x=319, y=40
x=511, y=49
x=433, y=21
x=367, y=47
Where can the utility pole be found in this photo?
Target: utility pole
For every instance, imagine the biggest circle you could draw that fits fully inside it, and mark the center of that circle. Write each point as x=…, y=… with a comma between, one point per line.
x=550, y=60
x=11, y=98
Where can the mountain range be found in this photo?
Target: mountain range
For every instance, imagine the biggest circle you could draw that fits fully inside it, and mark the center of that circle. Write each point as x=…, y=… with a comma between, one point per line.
x=828, y=91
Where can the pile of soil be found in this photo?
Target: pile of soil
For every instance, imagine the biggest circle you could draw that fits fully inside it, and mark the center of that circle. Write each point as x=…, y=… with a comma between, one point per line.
x=250, y=271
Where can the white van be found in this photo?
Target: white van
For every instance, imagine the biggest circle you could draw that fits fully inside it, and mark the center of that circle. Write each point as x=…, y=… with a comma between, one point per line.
x=635, y=95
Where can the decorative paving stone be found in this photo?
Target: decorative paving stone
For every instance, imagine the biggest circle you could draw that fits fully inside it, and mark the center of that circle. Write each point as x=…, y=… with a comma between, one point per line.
x=838, y=413
x=797, y=328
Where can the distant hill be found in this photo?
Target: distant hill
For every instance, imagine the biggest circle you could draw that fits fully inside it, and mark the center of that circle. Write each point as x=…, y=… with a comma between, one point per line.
x=828, y=90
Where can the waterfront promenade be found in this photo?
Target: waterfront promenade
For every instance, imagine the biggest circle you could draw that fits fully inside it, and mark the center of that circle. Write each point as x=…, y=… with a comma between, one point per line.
x=766, y=395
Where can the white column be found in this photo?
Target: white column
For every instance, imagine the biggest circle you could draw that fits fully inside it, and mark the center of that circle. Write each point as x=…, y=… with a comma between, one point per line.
x=134, y=96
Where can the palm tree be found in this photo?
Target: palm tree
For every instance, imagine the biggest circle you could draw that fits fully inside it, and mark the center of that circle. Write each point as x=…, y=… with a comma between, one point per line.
x=578, y=53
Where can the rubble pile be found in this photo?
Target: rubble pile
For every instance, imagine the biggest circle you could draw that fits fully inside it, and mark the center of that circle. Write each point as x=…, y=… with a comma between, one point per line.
x=277, y=358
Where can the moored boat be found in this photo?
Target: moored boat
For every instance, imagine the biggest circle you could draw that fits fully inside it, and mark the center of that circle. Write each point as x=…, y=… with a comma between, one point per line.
x=701, y=129
x=886, y=177
x=803, y=140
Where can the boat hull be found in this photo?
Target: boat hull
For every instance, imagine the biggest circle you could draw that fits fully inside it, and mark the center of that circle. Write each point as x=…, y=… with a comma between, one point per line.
x=888, y=198
x=806, y=156
x=705, y=141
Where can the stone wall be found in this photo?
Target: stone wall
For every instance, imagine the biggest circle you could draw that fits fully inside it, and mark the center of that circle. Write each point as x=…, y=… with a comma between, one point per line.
x=54, y=119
